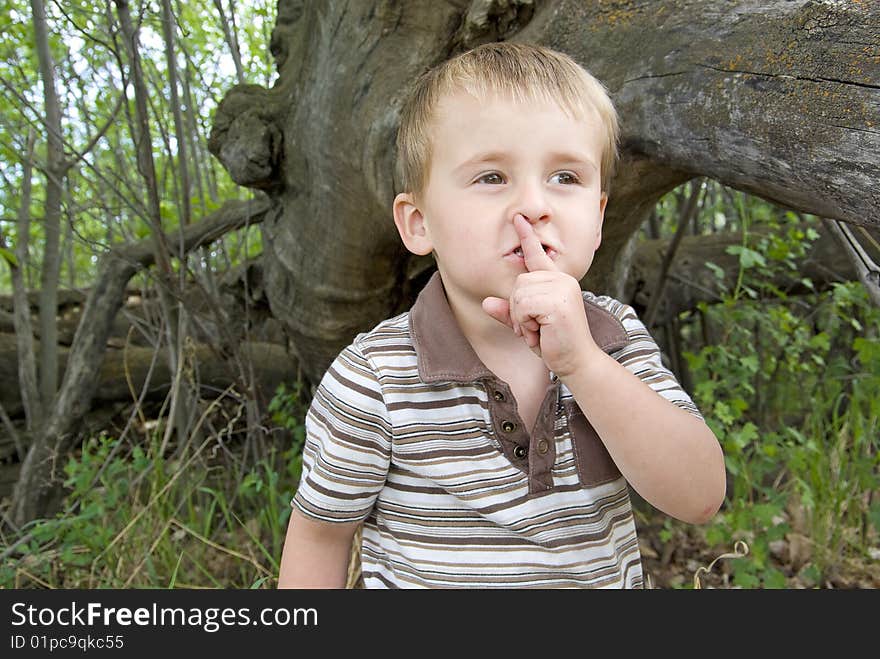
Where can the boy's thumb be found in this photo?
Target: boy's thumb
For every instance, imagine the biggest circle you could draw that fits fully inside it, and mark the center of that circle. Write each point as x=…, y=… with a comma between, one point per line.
x=499, y=309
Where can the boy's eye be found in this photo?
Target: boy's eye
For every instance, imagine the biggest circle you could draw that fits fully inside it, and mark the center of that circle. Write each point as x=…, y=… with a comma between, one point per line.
x=492, y=178
x=565, y=178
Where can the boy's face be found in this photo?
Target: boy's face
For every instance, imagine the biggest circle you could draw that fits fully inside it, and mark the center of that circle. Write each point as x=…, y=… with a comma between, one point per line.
x=494, y=158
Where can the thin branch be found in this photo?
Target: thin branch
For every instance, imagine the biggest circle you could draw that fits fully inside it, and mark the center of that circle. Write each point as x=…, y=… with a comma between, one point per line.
x=92, y=142
x=10, y=428
x=868, y=271
x=684, y=220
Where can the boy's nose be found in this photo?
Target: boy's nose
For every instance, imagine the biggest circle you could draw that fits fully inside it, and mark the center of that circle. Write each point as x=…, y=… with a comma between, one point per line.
x=531, y=203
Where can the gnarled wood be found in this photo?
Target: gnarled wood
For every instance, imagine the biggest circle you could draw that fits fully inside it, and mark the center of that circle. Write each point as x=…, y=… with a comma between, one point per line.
x=776, y=98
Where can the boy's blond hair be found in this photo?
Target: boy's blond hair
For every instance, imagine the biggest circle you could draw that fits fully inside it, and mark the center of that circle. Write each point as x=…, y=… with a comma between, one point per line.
x=524, y=72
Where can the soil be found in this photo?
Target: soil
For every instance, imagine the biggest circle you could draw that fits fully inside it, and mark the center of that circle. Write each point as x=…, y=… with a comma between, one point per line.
x=673, y=563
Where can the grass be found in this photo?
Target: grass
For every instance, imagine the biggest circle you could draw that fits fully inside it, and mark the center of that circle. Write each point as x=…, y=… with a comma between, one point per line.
x=136, y=517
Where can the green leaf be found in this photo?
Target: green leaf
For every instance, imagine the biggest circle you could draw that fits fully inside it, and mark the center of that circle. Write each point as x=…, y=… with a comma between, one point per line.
x=745, y=435
x=750, y=363
x=811, y=574
x=821, y=341
x=775, y=579
x=723, y=412
x=716, y=270
x=748, y=258
x=746, y=580
x=9, y=256
x=874, y=515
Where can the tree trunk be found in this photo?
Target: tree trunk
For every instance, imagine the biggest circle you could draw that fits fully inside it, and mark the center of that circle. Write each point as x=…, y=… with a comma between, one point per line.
x=231, y=39
x=56, y=169
x=24, y=337
x=776, y=98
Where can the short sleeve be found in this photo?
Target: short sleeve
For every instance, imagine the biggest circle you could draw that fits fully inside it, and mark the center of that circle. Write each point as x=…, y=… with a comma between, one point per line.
x=348, y=442
x=641, y=356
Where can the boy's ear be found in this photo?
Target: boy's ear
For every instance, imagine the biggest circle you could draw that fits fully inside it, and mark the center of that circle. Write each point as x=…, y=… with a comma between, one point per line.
x=411, y=225
x=603, y=202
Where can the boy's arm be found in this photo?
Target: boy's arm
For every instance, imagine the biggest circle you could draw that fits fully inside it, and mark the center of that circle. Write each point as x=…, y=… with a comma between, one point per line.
x=316, y=554
x=669, y=456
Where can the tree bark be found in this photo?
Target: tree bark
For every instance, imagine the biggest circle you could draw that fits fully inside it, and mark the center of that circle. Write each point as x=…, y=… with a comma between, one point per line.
x=121, y=364
x=41, y=467
x=779, y=99
x=24, y=337
x=179, y=133
x=56, y=170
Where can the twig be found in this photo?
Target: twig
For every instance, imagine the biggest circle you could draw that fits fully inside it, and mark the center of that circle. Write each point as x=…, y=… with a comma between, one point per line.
x=10, y=428
x=869, y=272
x=36, y=578
x=687, y=215
x=219, y=547
x=740, y=549
x=147, y=554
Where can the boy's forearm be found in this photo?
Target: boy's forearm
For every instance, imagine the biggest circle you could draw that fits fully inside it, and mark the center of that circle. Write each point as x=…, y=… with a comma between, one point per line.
x=316, y=554
x=670, y=457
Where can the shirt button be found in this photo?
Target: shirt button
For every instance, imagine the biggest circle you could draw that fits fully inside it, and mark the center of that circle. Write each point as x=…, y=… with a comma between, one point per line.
x=498, y=396
x=508, y=426
x=543, y=446
x=520, y=452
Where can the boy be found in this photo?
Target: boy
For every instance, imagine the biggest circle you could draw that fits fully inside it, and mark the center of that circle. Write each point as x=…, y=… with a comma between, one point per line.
x=486, y=437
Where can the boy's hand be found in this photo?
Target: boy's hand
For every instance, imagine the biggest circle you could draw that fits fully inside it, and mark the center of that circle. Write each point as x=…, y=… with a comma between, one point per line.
x=546, y=308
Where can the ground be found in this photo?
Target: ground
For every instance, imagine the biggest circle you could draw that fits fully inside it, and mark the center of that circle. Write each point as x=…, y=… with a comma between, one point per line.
x=673, y=563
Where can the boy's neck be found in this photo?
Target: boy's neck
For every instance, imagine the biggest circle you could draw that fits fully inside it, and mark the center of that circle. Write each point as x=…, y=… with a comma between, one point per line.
x=488, y=337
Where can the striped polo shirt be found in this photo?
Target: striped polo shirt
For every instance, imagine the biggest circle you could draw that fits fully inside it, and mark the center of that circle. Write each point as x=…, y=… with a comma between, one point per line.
x=410, y=432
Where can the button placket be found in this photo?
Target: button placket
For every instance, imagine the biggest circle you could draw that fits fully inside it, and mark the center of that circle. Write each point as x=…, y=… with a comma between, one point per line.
x=508, y=429
x=543, y=454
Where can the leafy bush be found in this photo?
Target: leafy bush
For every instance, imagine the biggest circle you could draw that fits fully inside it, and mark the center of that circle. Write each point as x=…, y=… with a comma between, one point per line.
x=791, y=388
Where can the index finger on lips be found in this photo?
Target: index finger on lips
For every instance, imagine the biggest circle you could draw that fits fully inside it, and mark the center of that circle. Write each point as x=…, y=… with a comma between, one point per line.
x=533, y=253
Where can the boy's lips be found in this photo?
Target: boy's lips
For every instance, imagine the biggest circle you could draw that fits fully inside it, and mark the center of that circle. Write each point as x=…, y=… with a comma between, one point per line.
x=517, y=253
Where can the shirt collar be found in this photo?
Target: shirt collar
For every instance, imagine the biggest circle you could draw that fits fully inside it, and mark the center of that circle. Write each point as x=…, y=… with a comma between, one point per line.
x=444, y=354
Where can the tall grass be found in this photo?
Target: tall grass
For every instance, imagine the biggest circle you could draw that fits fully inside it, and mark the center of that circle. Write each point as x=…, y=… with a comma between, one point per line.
x=135, y=517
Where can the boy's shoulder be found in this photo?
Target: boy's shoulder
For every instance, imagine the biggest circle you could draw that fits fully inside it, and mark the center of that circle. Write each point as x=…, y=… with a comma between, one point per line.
x=613, y=308
x=395, y=327
x=610, y=320
x=388, y=343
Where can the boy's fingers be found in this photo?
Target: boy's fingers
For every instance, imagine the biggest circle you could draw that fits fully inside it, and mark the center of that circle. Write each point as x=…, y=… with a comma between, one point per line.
x=532, y=338
x=533, y=253
x=499, y=309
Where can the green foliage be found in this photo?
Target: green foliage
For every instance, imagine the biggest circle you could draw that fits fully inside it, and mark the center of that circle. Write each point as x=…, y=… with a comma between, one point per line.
x=104, y=196
x=138, y=518
x=791, y=388
x=288, y=409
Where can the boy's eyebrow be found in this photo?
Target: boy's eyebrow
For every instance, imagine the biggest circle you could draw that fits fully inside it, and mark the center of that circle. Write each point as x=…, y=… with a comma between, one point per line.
x=568, y=157
x=481, y=159
x=573, y=157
